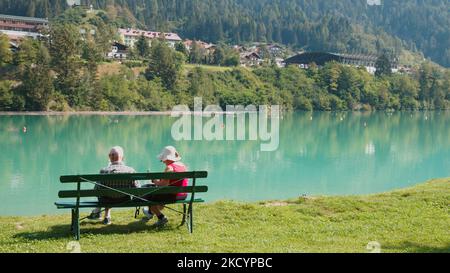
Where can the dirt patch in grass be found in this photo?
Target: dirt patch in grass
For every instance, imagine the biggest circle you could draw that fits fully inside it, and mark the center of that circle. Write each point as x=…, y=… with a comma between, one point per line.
x=108, y=69
x=276, y=204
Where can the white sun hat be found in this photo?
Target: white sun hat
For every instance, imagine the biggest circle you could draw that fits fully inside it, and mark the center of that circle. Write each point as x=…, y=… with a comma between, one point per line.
x=169, y=153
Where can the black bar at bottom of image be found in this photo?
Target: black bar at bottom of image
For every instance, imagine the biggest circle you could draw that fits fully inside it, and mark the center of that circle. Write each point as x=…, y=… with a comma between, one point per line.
x=226, y=262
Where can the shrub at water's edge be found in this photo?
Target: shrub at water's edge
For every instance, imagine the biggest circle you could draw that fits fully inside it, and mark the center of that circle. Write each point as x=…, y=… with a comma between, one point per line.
x=408, y=220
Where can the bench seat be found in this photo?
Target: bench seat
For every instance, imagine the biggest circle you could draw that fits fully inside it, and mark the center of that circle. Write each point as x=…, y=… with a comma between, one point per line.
x=130, y=204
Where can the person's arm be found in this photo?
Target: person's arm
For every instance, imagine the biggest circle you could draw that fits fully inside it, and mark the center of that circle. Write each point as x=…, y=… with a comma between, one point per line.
x=136, y=183
x=97, y=187
x=164, y=182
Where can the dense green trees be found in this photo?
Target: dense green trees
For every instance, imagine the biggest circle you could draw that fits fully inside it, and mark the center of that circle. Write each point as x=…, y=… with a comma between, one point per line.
x=201, y=85
x=383, y=66
x=37, y=81
x=339, y=87
x=6, y=96
x=164, y=63
x=221, y=54
x=65, y=46
x=225, y=56
x=333, y=87
x=196, y=54
x=142, y=47
x=345, y=25
x=57, y=74
x=60, y=73
x=180, y=47
x=5, y=52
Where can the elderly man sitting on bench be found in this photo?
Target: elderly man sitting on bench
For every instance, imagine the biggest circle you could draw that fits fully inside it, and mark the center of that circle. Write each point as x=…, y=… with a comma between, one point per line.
x=116, y=165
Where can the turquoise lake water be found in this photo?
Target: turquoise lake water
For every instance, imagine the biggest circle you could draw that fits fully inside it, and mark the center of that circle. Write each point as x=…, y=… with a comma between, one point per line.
x=318, y=154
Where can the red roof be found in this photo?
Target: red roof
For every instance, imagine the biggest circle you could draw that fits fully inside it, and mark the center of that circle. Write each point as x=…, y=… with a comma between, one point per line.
x=201, y=44
x=149, y=34
x=2, y=24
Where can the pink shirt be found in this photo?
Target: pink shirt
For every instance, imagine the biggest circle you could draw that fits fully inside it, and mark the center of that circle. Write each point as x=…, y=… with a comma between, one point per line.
x=179, y=182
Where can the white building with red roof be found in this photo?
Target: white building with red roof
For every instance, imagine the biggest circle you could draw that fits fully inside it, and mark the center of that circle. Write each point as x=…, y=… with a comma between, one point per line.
x=19, y=27
x=130, y=36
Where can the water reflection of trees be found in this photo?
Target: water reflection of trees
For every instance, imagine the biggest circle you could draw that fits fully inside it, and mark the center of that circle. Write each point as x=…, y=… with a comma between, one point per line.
x=324, y=134
x=78, y=140
x=406, y=131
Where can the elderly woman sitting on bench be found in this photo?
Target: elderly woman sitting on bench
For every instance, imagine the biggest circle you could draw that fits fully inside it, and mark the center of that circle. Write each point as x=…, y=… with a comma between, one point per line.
x=170, y=157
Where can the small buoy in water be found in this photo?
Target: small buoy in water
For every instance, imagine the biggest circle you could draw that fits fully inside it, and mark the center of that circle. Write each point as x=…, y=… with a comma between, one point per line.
x=365, y=124
x=24, y=129
x=310, y=118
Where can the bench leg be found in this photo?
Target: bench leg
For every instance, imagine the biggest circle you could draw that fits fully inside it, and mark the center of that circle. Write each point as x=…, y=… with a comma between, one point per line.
x=72, y=223
x=190, y=222
x=184, y=215
x=76, y=224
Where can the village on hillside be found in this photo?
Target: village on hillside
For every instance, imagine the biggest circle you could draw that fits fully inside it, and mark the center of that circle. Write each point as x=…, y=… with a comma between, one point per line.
x=17, y=28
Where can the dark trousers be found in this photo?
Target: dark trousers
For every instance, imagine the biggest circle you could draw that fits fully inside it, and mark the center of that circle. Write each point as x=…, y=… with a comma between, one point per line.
x=161, y=197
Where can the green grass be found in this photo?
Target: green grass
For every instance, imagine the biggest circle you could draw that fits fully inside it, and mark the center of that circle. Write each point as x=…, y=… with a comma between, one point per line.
x=113, y=68
x=212, y=68
x=410, y=220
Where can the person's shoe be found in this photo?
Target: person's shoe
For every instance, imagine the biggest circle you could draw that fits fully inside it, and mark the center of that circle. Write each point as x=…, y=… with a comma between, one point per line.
x=94, y=216
x=107, y=221
x=161, y=222
x=148, y=215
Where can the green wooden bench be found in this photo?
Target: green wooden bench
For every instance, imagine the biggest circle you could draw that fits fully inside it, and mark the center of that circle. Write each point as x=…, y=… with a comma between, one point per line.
x=137, y=194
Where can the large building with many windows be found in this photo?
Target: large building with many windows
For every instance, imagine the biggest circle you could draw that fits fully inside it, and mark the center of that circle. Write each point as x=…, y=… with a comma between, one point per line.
x=320, y=58
x=19, y=27
x=130, y=36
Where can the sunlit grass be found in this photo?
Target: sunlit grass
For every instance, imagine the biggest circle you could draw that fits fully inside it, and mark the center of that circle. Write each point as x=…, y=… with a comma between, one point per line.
x=410, y=220
x=211, y=68
x=114, y=68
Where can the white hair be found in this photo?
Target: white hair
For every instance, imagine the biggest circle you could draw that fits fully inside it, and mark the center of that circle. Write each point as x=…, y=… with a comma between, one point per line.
x=117, y=150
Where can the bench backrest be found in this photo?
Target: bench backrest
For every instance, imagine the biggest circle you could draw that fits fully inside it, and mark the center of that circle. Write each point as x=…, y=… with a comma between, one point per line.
x=98, y=178
x=130, y=176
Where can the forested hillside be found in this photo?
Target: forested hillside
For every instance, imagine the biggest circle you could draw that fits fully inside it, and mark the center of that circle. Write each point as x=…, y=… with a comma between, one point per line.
x=334, y=25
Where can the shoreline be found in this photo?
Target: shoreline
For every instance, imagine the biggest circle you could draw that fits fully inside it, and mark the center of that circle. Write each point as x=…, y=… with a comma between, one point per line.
x=168, y=113
x=86, y=113
x=126, y=113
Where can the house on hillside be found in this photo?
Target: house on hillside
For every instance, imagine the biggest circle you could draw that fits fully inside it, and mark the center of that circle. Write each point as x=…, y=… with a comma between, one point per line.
x=118, y=51
x=13, y=47
x=207, y=47
x=130, y=36
x=239, y=48
x=406, y=69
x=279, y=62
x=254, y=54
x=275, y=50
x=249, y=59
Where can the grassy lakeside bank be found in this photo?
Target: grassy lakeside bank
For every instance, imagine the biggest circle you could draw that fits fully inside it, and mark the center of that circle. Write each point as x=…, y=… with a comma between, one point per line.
x=416, y=219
